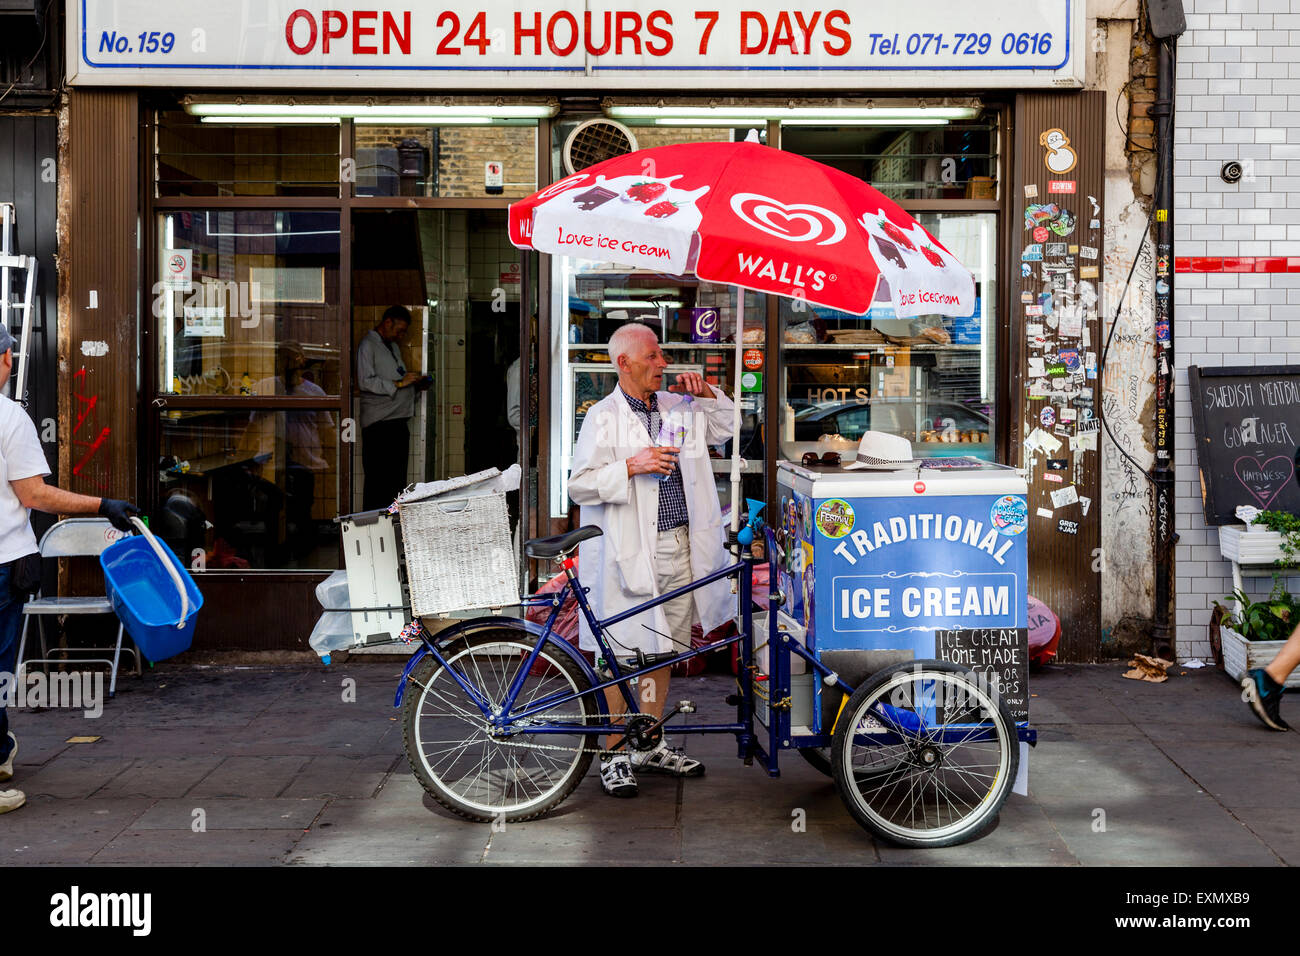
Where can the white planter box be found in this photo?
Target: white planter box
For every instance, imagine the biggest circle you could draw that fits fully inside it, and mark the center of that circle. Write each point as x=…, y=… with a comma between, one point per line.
x=1236, y=543
x=1241, y=655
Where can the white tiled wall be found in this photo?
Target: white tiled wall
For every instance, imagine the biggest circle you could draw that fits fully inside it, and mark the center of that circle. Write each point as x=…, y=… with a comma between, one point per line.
x=1238, y=97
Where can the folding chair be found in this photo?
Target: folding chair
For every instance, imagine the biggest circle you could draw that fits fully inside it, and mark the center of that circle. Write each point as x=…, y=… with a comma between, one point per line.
x=75, y=538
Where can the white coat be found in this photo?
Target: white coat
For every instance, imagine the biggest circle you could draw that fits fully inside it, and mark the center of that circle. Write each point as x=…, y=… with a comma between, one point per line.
x=618, y=567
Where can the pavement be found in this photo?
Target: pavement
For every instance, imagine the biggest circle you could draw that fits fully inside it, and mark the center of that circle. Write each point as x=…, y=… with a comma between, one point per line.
x=303, y=765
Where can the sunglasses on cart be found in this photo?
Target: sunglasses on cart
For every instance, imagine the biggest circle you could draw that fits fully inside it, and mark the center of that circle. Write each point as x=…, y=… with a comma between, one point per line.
x=831, y=459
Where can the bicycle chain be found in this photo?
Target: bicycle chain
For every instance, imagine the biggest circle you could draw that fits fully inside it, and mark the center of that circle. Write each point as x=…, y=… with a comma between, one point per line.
x=506, y=742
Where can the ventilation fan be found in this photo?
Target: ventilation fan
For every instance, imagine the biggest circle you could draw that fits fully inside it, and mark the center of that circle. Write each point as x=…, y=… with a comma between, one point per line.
x=595, y=141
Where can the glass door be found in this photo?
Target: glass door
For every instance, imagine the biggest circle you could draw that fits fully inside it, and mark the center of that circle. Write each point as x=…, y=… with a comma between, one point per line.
x=456, y=275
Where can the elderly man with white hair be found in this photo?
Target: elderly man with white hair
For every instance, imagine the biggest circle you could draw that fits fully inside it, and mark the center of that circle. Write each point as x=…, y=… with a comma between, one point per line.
x=657, y=506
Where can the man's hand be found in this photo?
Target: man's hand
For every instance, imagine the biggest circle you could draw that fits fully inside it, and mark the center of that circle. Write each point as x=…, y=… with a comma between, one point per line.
x=410, y=378
x=659, y=460
x=118, y=513
x=693, y=383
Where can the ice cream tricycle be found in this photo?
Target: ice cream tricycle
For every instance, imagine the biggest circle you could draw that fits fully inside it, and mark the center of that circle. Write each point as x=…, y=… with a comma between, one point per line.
x=890, y=649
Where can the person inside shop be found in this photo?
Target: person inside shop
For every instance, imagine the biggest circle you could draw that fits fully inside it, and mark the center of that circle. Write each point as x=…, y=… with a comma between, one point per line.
x=307, y=434
x=387, y=403
x=657, y=505
x=22, y=486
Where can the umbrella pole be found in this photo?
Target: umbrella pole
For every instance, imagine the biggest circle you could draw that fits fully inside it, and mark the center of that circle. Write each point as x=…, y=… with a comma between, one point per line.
x=735, y=422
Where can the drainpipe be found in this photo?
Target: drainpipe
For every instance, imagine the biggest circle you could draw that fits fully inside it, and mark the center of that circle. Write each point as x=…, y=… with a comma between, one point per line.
x=1167, y=23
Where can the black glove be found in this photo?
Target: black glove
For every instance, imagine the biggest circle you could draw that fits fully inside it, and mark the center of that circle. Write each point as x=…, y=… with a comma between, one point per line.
x=118, y=513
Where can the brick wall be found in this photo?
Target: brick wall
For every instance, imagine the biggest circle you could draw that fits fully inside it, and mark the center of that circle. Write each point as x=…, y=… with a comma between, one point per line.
x=1238, y=97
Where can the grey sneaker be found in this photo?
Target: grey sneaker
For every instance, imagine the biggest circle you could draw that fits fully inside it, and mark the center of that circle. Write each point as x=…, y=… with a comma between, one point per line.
x=7, y=768
x=11, y=800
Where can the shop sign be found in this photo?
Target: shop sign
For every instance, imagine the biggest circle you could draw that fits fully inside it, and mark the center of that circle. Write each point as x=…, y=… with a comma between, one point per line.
x=629, y=44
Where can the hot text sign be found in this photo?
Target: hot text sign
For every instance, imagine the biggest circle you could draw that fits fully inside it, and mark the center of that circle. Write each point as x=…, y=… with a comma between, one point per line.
x=670, y=44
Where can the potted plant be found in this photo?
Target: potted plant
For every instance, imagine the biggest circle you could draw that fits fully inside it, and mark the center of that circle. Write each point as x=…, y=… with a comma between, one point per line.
x=1256, y=632
x=1268, y=537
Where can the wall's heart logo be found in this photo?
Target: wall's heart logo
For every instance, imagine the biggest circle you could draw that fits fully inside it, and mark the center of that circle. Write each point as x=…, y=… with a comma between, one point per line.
x=1264, y=480
x=796, y=222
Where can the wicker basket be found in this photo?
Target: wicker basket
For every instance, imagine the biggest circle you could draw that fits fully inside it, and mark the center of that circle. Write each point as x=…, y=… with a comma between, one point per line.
x=458, y=554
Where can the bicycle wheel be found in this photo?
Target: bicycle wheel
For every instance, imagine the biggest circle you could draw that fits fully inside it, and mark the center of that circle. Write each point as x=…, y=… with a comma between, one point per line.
x=924, y=755
x=511, y=777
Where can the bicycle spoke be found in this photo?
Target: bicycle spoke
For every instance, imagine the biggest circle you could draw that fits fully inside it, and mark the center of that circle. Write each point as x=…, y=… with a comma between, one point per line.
x=465, y=761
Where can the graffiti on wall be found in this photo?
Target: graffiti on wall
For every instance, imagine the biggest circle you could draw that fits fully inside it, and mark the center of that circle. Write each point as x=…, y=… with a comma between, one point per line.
x=1128, y=404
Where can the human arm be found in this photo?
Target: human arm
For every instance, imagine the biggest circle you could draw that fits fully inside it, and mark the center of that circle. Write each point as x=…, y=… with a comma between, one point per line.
x=34, y=493
x=714, y=407
x=512, y=394
x=597, y=476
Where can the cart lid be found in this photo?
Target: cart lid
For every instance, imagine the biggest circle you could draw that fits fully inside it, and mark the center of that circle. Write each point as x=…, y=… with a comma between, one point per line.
x=926, y=477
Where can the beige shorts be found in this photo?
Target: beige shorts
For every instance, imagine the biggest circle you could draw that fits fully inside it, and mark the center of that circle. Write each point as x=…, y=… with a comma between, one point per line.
x=673, y=570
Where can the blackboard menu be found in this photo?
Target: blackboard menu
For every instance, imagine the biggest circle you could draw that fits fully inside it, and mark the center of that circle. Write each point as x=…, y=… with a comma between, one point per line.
x=998, y=655
x=1247, y=424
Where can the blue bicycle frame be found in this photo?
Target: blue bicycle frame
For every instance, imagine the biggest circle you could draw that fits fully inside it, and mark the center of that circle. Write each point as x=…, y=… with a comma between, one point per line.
x=780, y=735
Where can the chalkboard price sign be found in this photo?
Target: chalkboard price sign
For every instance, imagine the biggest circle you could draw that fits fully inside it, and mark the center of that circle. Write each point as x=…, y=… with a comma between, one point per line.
x=999, y=655
x=1247, y=425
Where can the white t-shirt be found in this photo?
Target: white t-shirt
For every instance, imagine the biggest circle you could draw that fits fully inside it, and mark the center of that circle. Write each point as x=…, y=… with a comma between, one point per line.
x=20, y=457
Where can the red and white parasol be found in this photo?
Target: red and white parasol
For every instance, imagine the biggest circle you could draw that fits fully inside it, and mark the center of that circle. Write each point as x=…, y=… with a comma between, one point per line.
x=753, y=217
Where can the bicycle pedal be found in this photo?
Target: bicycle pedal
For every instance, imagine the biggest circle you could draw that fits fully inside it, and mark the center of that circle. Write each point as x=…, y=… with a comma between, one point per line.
x=686, y=707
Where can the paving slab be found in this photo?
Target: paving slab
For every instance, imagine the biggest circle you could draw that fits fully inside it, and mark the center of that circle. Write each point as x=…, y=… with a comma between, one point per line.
x=402, y=832
x=343, y=776
x=213, y=848
x=1148, y=831
x=250, y=777
x=160, y=777
x=289, y=771
x=68, y=776
x=243, y=814
x=64, y=830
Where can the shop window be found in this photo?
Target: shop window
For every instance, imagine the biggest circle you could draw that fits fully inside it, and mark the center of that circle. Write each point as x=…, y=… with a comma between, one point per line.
x=250, y=488
x=246, y=302
x=456, y=273
x=952, y=159
x=929, y=379
x=446, y=161
x=197, y=158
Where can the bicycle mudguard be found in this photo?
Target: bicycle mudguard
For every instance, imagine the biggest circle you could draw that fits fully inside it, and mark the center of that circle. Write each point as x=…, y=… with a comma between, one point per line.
x=466, y=628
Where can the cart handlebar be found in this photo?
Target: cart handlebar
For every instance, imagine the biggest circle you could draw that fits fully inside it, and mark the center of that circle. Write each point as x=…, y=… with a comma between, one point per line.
x=167, y=563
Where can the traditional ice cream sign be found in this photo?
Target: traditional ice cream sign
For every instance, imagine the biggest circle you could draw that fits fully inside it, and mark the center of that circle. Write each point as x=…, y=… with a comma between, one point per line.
x=913, y=566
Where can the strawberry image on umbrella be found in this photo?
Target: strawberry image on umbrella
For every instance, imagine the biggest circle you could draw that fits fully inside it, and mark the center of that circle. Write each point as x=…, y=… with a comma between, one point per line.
x=932, y=257
x=896, y=235
x=662, y=210
x=646, y=191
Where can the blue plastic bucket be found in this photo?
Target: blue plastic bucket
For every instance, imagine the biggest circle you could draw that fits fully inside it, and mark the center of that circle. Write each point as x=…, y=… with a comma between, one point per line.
x=145, y=597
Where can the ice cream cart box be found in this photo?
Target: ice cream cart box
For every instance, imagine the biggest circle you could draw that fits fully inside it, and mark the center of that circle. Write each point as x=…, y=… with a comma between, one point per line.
x=928, y=561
